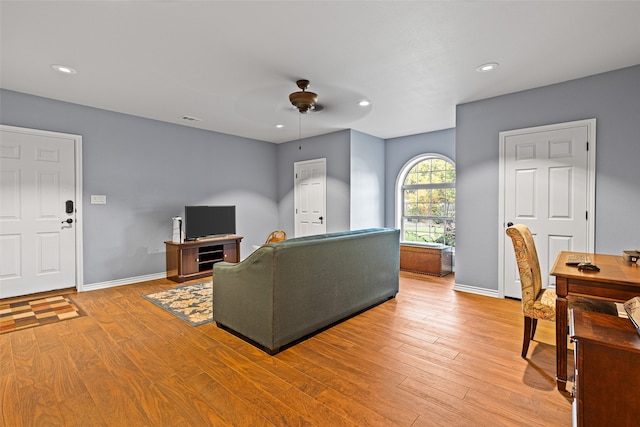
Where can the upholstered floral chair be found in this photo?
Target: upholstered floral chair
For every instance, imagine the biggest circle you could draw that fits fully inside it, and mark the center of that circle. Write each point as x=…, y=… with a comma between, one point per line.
x=538, y=303
x=276, y=236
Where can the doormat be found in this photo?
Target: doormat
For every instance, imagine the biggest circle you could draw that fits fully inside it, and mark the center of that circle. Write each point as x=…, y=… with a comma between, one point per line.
x=15, y=316
x=191, y=303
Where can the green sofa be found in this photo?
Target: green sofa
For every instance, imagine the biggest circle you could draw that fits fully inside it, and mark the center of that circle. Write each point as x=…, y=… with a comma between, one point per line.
x=288, y=290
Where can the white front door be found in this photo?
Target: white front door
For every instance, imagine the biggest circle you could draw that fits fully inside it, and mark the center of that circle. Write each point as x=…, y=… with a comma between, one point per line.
x=548, y=185
x=38, y=231
x=310, y=197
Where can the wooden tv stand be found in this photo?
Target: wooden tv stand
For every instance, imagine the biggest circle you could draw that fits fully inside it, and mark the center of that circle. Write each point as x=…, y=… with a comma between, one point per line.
x=195, y=259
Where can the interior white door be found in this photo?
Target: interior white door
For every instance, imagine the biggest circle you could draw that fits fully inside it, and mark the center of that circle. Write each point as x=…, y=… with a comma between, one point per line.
x=548, y=185
x=37, y=219
x=310, y=197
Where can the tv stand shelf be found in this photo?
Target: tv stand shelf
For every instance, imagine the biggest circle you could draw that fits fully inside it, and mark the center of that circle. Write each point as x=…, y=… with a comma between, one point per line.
x=195, y=259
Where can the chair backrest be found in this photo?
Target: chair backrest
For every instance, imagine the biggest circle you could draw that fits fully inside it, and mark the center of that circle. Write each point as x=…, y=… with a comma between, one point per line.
x=276, y=236
x=528, y=264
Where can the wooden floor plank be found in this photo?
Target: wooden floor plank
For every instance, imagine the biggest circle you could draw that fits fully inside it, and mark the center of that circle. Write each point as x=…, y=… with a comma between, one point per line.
x=230, y=407
x=10, y=413
x=6, y=356
x=430, y=357
x=80, y=411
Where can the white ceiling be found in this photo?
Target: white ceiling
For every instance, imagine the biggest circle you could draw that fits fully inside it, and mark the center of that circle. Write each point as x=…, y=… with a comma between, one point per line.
x=234, y=63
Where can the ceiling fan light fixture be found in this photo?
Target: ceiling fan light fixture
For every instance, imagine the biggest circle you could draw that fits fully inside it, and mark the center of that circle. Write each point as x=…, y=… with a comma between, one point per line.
x=304, y=101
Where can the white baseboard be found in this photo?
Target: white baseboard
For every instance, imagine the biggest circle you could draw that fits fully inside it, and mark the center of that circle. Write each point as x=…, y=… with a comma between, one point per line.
x=120, y=282
x=476, y=290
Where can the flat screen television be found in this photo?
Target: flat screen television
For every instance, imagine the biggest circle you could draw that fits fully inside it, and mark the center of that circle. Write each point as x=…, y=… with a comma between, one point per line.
x=209, y=221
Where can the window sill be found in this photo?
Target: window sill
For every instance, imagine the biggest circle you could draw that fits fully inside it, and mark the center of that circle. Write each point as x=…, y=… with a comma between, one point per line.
x=424, y=245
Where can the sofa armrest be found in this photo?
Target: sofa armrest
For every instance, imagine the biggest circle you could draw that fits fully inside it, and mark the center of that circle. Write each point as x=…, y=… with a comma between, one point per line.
x=243, y=296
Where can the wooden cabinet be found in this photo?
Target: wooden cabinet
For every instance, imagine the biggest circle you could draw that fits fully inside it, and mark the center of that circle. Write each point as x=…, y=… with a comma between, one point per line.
x=435, y=260
x=607, y=369
x=195, y=259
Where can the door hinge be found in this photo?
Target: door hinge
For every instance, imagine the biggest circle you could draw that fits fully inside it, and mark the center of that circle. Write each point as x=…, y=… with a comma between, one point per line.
x=587, y=145
x=586, y=215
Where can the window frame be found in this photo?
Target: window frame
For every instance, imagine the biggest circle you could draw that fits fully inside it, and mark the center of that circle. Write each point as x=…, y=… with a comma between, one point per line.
x=399, y=192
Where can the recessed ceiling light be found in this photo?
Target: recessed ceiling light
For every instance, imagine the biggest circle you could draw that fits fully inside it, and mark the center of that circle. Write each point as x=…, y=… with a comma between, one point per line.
x=487, y=67
x=279, y=126
x=63, y=69
x=364, y=103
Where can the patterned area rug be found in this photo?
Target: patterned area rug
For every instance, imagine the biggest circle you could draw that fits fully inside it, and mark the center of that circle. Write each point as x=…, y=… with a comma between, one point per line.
x=191, y=303
x=41, y=311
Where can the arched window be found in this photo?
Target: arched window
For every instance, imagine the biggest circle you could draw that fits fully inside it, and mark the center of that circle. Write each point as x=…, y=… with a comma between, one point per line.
x=426, y=194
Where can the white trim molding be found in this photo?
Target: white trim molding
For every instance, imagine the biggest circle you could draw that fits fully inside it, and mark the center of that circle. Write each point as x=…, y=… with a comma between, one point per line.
x=122, y=282
x=476, y=290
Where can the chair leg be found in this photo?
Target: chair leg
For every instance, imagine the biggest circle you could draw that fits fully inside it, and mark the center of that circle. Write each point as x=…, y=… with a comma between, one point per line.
x=528, y=327
x=534, y=324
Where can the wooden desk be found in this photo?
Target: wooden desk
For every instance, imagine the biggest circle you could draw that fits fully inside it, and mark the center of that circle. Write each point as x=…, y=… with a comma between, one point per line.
x=617, y=280
x=607, y=375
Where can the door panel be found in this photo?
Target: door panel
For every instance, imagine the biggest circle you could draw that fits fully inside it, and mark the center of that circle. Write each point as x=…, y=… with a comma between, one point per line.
x=545, y=181
x=525, y=194
x=560, y=193
x=38, y=245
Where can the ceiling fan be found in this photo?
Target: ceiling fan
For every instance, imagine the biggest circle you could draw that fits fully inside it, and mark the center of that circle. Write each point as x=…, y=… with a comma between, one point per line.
x=304, y=100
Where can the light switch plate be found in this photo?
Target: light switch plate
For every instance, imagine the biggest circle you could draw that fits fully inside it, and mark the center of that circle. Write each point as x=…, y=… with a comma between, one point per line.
x=98, y=199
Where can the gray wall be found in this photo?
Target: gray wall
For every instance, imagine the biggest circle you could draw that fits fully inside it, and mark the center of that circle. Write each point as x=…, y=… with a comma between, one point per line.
x=367, y=181
x=335, y=147
x=398, y=151
x=149, y=171
x=612, y=98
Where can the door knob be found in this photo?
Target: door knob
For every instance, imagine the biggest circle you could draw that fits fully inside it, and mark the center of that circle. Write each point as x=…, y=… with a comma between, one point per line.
x=509, y=224
x=68, y=221
x=320, y=220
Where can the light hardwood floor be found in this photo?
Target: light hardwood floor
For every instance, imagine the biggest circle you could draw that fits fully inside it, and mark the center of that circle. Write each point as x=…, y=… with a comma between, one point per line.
x=429, y=357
